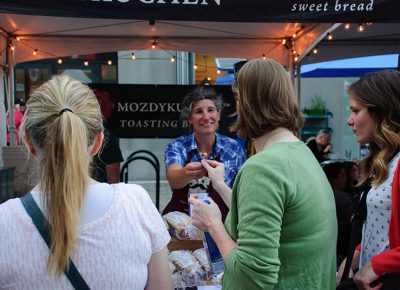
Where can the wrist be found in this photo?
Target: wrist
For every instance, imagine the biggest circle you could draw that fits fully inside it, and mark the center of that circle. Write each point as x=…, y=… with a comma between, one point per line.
x=219, y=185
x=215, y=226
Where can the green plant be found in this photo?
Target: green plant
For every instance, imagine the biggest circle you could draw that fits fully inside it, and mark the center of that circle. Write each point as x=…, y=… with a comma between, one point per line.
x=318, y=103
x=318, y=106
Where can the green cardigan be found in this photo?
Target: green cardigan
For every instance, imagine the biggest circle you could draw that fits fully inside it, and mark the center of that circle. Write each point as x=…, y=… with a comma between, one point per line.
x=283, y=219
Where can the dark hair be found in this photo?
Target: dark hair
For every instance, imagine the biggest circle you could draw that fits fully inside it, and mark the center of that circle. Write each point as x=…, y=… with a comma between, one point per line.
x=332, y=170
x=380, y=93
x=20, y=102
x=198, y=94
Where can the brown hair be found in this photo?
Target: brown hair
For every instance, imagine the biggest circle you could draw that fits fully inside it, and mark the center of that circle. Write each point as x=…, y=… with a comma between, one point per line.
x=380, y=93
x=62, y=119
x=266, y=99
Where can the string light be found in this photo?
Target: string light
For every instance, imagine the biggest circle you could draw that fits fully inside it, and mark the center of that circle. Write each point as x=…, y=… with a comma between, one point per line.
x=263, y=56
x=294, y=52
x=347, y=26
x=85, y=63
x=195, y=66
x=35, y=52
x=315, y=50
x=361, y=27
x=296, y=58
x=369, y=23
x=59, y=61
x=294, y=35
x=218, y=71
x=109, y=62
x=18, y=38
x=154, y=44
x=329, y=36
x=133, y=56
x=173, y=59
x=284, y=41
x=209, y=79
x=12, y=47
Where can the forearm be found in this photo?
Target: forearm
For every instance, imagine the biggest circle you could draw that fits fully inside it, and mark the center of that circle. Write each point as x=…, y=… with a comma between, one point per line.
x=388, y=261
x=158, y=271
x=222, y=239
x=224, y=191
x=177, y=177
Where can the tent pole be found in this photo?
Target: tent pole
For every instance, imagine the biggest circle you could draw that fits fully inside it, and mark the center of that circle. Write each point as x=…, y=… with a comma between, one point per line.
x=10, y=90
x=291, y=68
x=298, y=82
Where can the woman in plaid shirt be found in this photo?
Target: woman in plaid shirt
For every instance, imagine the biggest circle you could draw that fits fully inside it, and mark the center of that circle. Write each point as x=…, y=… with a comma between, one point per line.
x=202, y=108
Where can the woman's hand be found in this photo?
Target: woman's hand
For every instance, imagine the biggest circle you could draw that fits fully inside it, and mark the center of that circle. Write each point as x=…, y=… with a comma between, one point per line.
x=194, y=170
x=216, y=171
x=365, y=276
x=204, y=215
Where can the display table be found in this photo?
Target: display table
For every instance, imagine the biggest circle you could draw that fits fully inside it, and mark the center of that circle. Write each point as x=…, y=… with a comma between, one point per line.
x=191, y=245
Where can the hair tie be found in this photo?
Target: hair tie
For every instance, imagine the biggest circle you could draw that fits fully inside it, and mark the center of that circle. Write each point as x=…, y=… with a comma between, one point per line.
x=64, y=110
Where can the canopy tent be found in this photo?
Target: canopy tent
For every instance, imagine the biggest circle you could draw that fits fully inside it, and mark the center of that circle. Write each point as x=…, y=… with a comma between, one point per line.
x=353, y=67
x=59, y=36
x=235, y=28
x=376, y=39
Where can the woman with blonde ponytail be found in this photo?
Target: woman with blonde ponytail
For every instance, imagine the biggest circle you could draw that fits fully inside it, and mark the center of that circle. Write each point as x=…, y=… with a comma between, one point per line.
x=113, y=234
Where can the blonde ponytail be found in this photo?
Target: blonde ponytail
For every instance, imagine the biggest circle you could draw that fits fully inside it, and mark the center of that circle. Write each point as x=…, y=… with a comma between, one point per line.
x=62, y=119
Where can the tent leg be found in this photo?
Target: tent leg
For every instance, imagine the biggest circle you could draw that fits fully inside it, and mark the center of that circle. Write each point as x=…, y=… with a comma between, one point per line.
x=298, y=82
x=10, y=90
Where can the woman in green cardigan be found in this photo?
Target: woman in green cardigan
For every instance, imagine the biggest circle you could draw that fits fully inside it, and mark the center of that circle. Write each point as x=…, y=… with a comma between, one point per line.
x=281, y=230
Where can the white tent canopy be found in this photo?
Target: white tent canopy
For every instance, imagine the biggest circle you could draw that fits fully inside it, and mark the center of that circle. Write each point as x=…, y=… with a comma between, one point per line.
x=220, y=27
x=59, y=36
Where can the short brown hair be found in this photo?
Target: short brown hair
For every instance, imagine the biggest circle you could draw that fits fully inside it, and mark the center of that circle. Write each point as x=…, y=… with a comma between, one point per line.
x=266, y=99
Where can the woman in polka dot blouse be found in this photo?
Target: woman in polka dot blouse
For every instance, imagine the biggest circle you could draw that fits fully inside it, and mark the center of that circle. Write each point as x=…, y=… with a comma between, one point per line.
x=375, y=120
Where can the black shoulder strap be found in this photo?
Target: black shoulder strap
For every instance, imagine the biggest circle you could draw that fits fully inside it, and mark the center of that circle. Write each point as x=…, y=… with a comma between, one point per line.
x=356, y=227
x=41, y=224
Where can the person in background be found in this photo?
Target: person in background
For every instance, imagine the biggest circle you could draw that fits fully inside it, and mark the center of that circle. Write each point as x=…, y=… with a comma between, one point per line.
x=337, y=177
x=353, y=176
x=107, y=163
x=185, y=173
x=375, y=120
x=19, y=109
x=271, y=239
x=320, y=145
x=112, y=233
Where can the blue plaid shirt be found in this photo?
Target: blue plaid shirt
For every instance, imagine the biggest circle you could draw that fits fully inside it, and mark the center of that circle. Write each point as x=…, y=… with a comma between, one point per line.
x=229, y=150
